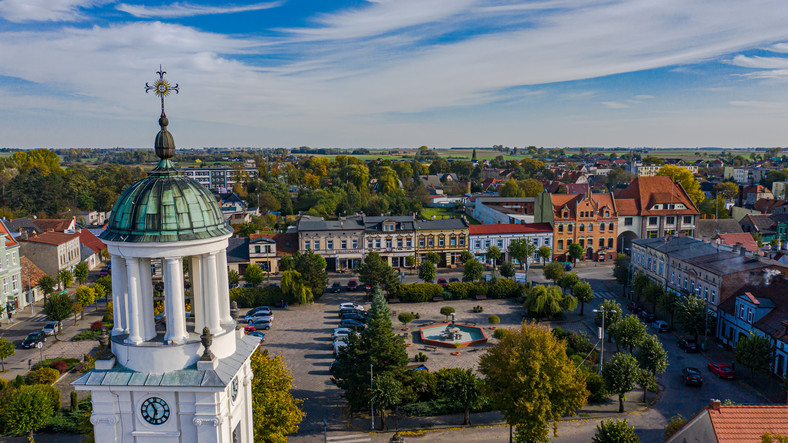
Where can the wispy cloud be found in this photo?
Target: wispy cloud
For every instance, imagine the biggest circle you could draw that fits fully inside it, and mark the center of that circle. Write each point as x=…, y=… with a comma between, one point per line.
x=177, y=10
x=759, y=62
x=644, y=97
x=616, y=105
x=20, y=11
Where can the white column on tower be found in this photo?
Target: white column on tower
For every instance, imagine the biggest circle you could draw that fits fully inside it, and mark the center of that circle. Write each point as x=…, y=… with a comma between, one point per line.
x=135, y=305
x=224, y=289
x=175, y=313
x=198, y=310
x=119, y=315
x=146, y=296
x=211, y=293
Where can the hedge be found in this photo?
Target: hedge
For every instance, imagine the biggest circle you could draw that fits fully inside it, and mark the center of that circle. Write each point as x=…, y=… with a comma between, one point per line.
x=43, y=376
x=253, y=297
x=499, y=288
x=418, y=292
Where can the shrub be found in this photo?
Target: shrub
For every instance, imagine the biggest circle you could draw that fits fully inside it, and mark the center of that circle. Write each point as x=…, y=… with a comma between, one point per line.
x=420, y=357
x=96, y=326
x=447, y=311
x=74, y=397
x=579, y=341
x=503, y=288
x=60, y=365
x=251, y=297
x=108, y=318
x=4, y=384
x=19, y=381
x=52, y=393
x=595, y=385
x=477, y=289
x=577, y=359
x=43, y=376
x=478, y=309
x=405, y=317
x=493, y=319
x=459, y=290
x=558, y=333
x=418, y=292
x=499, y=333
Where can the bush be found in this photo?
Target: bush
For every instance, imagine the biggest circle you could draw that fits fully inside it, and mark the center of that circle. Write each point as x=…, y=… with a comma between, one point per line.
x=558, y=333
x=418, y=292
x=493, y=319
x=405, y=317
x=60, y=365
x=18, y=382
x=503, y=288
x=420, y=357
x=579, y=342
x=499, y=333
x=108, y=318
x=96, y=326
x=458, y=290
x=43, y=376
x=595, y=385
x=252, y=297
x=47, y=363
x=478, y=309
x=441, y=406
x=447, y=311
x=52, y=393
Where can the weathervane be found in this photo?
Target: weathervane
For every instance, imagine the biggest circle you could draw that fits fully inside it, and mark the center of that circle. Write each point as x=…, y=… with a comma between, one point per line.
x=162, y=88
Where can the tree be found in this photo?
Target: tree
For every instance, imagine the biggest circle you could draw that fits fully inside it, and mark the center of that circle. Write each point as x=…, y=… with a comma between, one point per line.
x=547, y=301
x=81, y=272
x=530, y=379
x=544, y=252
x=472, y=270
x=473, y=156
x=312, y=268
x=293, y=286
x=668, y=301
x=65, y=277
x=575, y=252
x=99, y=292
x=531, y=187
x=386, y=392
x=286, y=263
x=465, y=255
x=753, y=351
x=254, y=274
x=691, y=314
x=374, y=271
x=7, y=349
x=427, y=271
x=768, y=437
x=629, y=333
x=494, y=254
x=553, y=271
x=674, y=424
x=621, y=269
x=511, y=188
x=232, y=277
x=433, y=257
x=653, y=292
x=615, y=431
x=687, y=180
x=613, y=314
x=47, y=284
x=405, y=317
x=651, y=355
x=522, y=250
x=728, y=190
x=76, y=308
x=85, y=295
x=447, y=311
x=460, y=386
x=621, y=376
x=568, y=281
x=583, y=293
x=58, y=308
x=26, y=411
x=275, y=413
x=507, y=269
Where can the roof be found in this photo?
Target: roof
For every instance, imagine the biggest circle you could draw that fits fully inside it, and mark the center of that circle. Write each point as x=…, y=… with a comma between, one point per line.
x=744, y=239
x=746, y=423
x=767, y=204
x=21, y=224
x=286, y=243
x=571, y=201
x=31, y=273
x=512, y=228
x=52, y=224
x=648, y=191
x=626, y=206
x=708, y=228
x=761, y=222
x=237, y=250
x=440, y=224
x=307, y=223
x=9, y=239
x=51, y=238
x=755, y=189
x=405, y=222
x=91, y=241
x=577, y=188
x=725, y=262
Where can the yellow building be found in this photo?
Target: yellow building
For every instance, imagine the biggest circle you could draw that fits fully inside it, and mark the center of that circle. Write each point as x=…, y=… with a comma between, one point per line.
x=446, y=237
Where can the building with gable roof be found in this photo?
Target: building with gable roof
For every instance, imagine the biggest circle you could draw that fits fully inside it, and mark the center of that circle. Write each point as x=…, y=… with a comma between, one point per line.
x=447, y=237
x=484, y=236
x=52, y=251
x=718, y=423
x=30, y=275
x=91, y=248
x=10, y=273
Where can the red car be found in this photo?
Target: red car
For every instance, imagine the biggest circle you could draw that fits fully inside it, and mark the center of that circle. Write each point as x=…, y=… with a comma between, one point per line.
x=443, y=282
x=722, y=370
x=352, y=285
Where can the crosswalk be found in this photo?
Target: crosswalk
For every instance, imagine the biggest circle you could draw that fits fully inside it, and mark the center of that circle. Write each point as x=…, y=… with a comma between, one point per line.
x=350, y=438
x=38, y=317
x=604, y=295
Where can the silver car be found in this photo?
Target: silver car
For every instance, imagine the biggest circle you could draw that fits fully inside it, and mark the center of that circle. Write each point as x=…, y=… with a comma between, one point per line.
x=51, y=328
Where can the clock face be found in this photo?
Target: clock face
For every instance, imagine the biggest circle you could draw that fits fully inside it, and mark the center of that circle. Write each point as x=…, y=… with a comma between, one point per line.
x=234, y=388
x=155, y=411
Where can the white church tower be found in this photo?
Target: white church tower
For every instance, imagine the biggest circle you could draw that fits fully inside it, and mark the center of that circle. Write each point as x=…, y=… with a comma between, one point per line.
x=185, y=377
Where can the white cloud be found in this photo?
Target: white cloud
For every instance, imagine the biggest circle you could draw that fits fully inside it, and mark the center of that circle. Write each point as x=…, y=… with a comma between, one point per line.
x=177, y=10
x=759, y=62
x=46, y=10
x=644, y=97
x=616, y=105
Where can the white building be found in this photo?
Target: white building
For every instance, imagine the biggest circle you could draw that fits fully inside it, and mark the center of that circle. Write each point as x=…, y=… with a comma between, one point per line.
x=484, y=236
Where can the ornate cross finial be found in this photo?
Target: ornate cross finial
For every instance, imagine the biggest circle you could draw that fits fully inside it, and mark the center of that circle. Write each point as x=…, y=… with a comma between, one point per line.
x=161, y=88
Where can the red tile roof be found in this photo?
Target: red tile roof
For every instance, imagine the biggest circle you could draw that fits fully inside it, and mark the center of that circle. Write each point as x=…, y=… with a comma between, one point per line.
x=744, y=238
x=52, y=224
x=31, y=273
x=9, y=239
x=286, y=244
x=91, y=241
x=752, y=298
x=745, y=423
x=571, y=201
x=52, y=238
x=648, y=191
x=512, y=228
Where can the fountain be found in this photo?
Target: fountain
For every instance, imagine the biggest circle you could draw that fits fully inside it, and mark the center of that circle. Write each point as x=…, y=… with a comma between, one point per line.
x=452, y=335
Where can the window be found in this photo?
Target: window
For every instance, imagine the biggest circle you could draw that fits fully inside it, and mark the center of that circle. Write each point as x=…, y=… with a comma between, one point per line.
x=713, y=296
x=330, y=244
x=749, y=311
x=581, y=228
x=610, y=227
x=453, y=241
x=628, y=221
x=670, y=220
x=652, y=221
x=14, y=282
x=355, y=244
x=13, y=258
x=409, y=242
x=671, y=277
x=660, y=268
x=431, y=242
x=569, y=228
x=268, y=249
x=706, y=293
x=462, y=240
x=257, y=249
x=687, y=220
x=582, y=242
x=377, y=243
x=741, y=312
x=307, y=245
x=601, y=243
x=369, y=243
x=441, y=241
x=317, y=245
x=421, y=242
x=652, y=234
x=560, y=229
x=399, y=242
x=560, y=245
x=500, y=243
x=343, y=244
x=478, y=244
x=5, y=285
x=607, y=214
x=487, y=243
x=601, y=227
x=388, y=243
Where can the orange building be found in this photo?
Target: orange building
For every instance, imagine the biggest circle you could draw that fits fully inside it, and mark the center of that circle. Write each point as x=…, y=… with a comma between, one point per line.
x=590, y=220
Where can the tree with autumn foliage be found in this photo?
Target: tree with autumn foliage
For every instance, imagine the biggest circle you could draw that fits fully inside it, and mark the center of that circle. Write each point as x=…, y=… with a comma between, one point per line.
x=275, y=413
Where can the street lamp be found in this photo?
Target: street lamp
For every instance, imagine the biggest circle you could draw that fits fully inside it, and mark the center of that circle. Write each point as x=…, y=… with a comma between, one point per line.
x=325, y=431
x=602, y=334
x=371, y=404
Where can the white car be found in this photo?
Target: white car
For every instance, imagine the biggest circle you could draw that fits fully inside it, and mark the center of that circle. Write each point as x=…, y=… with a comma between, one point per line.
x=350, y=305
x=260, y=316
x=51, y=328
x=342, y=340
x=340, y=332
x=339, y=345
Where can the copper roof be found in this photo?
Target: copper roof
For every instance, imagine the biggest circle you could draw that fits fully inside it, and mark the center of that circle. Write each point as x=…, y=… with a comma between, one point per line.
x=746, y=423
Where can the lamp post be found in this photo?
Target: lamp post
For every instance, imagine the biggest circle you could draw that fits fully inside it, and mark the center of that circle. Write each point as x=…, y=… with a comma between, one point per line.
x=371, y=404
x=325, y=431
x=602, y=335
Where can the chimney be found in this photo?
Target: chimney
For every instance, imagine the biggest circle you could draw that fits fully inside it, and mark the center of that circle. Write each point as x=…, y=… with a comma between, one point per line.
x=715, y=404
x=742, y=251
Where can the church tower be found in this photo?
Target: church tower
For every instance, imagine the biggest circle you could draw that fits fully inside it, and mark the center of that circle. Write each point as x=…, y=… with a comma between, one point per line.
x=184, y=376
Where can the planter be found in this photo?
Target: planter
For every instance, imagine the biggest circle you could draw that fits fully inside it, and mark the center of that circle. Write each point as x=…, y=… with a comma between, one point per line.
x=406, y=329
x=456, y=353
x=493, y=327
x=407, y=345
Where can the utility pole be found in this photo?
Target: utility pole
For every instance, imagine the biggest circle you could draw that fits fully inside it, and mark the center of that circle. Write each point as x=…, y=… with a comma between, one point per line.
x=602, y=335
x=371, y=404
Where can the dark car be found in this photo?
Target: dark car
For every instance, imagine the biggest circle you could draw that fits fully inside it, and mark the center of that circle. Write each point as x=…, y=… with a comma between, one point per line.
x=454, y=280
x=634, y=306
x=33, y=339
x=352, y=285
x=352, y=324
x=353, y=316
x=567, y=267
x=336, y=287
x=347, y=311
x=443, y=282
x=692, y=376
x=688, y=346
x=647, y=318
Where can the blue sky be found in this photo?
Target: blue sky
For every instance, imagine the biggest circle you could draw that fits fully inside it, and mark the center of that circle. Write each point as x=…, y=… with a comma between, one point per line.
x=396, y=73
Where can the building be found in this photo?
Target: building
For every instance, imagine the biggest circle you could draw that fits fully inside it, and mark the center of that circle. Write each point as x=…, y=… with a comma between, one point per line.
x=484, y=236
x=237, y=254
x=91, y=248
x=707, y=229
x=743, y=240
x=188, y=379
x=393, y=237
x=778, y=190
x=340, y=241
x=447, y=237
x=10, y=273
x=53, y=251
x=759, y=309
x=741, y=175
x=768, y=226
x=503, y=210
x=220, y=179
x=30, y=275
x=752, y=194
x=718, y=423
x=652, y=207
x=588, y=219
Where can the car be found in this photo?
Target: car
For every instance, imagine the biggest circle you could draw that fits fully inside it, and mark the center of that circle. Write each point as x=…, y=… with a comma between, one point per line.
x=257, y=334
x=567, y=267
x=248, y=329
x=352, y=324
x=336, y=287
x=352, y=285
x=660, y=326
x=443, y=282
x=339, y=345
x=259, y=317
x=254, y=311
x=333, y=368
x=688, y=346
x=340, y=332
x=34, y=339
x=350, y=305
x=343, y=313
x=454, y=280
x=723, y=370
x=354, y=316
x=692, y=376
x=340, y=339
x=51, y=328
x=262, y=324
x=647, y=317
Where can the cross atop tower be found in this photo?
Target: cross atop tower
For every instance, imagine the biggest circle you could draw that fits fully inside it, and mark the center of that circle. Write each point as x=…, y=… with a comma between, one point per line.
x=161, y=88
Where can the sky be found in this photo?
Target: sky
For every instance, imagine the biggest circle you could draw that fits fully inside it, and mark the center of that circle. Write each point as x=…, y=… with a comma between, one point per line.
x=396, y=73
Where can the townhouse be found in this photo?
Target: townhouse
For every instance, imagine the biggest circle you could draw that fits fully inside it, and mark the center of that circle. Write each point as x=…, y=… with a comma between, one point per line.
x=52, y=251
x=484, y=236
x=447, y=237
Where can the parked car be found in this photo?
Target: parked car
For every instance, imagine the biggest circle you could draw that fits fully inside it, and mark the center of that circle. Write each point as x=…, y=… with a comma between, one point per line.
x=688, y=346
x=352, y=324
x=352, y=285
x=51, y=328
x=340, y=332
x=262, y=324
x=343, y=313
x=338, y=345
x=336, y=287
x=647, y=317
x=350, y=305
x=33, y=339
x=259, y=309
x=443, y=282
x=333, y=367
x=723, y=370
x=260, y=317
x=354, y=316
x=258, y=334
x=660, y=326
x=692, y=376
x=454, y=280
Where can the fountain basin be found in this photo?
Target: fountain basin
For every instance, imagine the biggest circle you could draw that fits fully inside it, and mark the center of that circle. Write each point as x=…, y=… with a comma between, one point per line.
x=469, y=335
